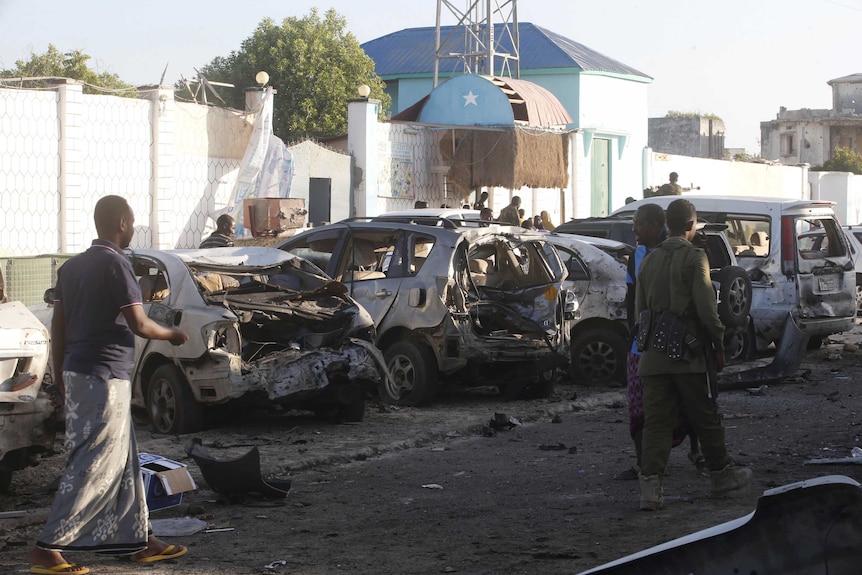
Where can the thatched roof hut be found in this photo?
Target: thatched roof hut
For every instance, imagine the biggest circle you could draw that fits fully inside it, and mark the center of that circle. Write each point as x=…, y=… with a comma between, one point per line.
x=509, y=158
x=510, y=137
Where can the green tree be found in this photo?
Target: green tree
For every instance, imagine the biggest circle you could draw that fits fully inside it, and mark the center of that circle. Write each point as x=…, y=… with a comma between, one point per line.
x=54, y=63
x=313, y=63
x=843, y=160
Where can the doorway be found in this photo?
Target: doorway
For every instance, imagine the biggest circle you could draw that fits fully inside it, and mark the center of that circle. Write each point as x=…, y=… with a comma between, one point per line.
x=319, y=200
x=600, y=183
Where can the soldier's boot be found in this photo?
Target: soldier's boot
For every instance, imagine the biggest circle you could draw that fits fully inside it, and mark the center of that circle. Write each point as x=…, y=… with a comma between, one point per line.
x=651, y=494
x=729, y=478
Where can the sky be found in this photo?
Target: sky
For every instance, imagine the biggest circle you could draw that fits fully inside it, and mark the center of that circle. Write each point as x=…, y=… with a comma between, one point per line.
x=738, y=59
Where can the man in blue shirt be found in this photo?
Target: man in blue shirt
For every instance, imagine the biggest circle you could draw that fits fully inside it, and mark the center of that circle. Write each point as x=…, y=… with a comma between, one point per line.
x=100, y=505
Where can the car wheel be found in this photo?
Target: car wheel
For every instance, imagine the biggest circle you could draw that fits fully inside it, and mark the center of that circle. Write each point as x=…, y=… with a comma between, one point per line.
x=170, y=404
x=734, y=295
x=413, y=370
x=814, y=342
x=599, y=356
x=738, y=344
x=858, y=297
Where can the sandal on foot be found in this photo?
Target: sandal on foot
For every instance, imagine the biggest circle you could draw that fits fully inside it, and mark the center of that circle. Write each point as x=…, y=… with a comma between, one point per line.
x=169, y=552
x=72, y=568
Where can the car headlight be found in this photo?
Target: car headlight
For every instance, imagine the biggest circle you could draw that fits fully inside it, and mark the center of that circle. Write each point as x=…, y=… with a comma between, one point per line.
x=571, y=302
x=222, y=335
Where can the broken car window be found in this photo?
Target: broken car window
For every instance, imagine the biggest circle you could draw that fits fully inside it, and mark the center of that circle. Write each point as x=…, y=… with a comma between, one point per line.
x=820, y=238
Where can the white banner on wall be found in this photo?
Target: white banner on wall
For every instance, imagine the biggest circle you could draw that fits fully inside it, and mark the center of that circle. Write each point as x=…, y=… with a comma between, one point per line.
x=266, y=170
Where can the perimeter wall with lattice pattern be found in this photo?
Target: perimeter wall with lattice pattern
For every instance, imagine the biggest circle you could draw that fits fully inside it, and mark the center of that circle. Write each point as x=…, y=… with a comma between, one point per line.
x=61, y=150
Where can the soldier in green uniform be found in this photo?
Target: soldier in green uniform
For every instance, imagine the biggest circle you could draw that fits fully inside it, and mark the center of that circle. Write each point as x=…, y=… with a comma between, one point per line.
x=676, y=309
x=672, y=188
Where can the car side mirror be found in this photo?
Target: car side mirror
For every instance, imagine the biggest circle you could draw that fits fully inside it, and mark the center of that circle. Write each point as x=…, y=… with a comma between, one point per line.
x=48, y=296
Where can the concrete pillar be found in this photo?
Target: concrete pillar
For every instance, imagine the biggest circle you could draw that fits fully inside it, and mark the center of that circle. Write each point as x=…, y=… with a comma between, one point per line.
x=362, y=146
x=162, y=180
x=255, y=97
x=70, y=113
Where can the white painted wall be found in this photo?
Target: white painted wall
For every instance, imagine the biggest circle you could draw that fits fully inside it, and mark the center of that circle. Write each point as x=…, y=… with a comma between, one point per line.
x=843, y=188
x=312, y=160
x=29, y=171
x=615, y=109
x=727, y=178
x=61, y=150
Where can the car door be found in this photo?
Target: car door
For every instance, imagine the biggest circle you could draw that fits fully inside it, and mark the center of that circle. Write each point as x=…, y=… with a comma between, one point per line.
x=369, y=261
x=322, y=247
x=824, y=267
x=373, y=266
x=578, y=279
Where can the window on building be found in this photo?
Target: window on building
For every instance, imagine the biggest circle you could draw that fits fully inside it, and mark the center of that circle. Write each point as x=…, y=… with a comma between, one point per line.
x=788, y=144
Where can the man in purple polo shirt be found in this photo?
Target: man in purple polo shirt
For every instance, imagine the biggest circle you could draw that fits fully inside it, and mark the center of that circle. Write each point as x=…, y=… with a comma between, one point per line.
x=100, y=504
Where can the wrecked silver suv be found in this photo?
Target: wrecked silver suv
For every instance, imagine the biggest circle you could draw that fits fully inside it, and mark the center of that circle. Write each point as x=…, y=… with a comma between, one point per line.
x=477, y=304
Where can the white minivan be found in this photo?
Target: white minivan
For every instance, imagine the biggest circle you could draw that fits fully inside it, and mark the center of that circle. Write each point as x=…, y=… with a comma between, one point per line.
x=816, y=287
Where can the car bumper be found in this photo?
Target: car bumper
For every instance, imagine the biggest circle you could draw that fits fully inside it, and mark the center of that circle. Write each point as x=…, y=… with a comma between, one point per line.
x=825, y=325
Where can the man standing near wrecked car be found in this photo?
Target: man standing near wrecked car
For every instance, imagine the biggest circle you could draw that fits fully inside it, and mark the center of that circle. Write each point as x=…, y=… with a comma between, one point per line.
x=100, y=505
x=222, y=237
x=678, y=326
x=509, y=214
x=648, y=226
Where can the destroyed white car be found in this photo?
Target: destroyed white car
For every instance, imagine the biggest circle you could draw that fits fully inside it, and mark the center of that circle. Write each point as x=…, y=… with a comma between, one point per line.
x=264, y=326
x=472, y=303
x=27, y=426
x=600, y=336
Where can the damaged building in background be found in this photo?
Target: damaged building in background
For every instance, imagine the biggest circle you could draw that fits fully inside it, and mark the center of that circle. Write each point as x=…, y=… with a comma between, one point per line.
x=811, y=136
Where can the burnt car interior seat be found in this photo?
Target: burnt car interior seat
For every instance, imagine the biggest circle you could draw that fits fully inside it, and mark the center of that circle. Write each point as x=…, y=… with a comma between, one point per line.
x=363, y=263
x=153, y=287
x=478, y=271
x=759, y=243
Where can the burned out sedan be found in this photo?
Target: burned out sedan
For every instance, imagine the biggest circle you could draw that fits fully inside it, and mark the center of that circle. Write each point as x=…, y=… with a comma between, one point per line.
x=265, y=327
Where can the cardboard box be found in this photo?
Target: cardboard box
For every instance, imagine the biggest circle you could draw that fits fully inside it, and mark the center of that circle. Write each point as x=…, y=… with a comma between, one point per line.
x=165, y=481
x=273, y=217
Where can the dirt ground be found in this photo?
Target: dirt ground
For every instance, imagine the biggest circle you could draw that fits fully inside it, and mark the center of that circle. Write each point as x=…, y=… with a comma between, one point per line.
x=426, y=491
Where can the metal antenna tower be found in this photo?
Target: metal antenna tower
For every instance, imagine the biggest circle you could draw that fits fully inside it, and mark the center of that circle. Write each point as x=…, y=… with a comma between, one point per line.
x=475, y=41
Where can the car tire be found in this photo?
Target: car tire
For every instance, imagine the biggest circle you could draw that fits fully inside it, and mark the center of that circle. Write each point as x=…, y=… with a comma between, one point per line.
x=599, y=357
x=171, y=407
x=734, y=296
x=413, y=369
x=739, y=344
x=814, y=342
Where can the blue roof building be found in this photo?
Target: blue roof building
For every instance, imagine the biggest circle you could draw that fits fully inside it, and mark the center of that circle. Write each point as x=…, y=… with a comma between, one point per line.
x=606, y=101
x=405, y=61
